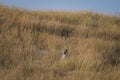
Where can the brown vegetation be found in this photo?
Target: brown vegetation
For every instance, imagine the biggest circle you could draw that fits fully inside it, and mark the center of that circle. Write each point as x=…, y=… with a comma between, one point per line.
x=31, y=44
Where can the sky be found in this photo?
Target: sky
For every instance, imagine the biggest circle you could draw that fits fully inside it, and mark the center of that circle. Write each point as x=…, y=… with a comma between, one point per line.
x=102, y=6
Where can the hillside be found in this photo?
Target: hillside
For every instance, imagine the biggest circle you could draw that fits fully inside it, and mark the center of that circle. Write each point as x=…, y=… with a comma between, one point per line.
x=31, y=44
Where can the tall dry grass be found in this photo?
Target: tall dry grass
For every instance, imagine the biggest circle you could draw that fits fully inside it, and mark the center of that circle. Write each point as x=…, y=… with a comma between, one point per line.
x=31, y=43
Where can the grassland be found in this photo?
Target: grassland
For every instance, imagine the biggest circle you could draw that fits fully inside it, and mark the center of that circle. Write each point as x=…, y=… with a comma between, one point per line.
x=31, y=43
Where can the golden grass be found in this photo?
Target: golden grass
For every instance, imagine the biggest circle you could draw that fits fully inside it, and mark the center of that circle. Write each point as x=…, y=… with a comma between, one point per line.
x=31, y=45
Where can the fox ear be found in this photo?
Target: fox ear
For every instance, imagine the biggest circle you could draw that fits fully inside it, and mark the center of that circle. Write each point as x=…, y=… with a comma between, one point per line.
x=66, y=51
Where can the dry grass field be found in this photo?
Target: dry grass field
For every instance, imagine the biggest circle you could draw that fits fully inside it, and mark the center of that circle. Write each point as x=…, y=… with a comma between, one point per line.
x=31, y=44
